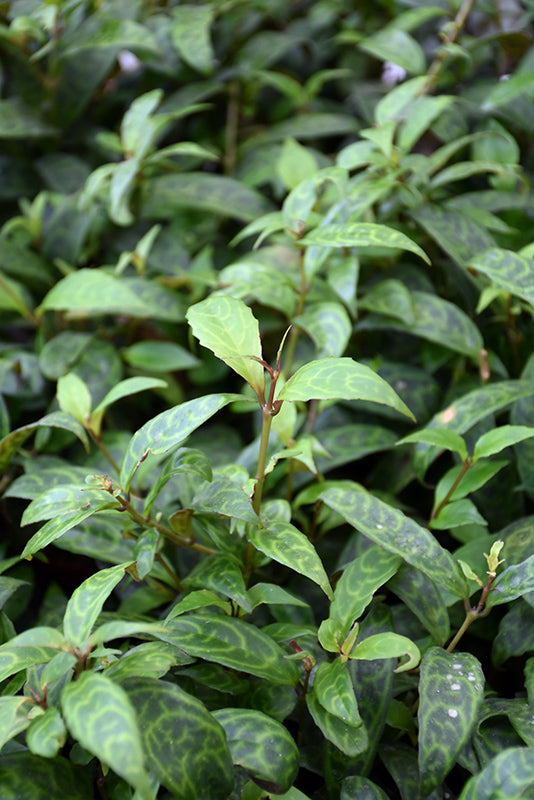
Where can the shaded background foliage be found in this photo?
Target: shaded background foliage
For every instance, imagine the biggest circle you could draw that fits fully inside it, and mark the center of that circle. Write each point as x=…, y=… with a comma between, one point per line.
x=145, y=146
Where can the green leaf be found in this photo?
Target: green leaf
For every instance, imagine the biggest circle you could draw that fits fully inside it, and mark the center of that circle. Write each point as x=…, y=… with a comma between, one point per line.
x=513, y=582
x=505, y=91
x=359, y=581
x=169, y=429
x=273, y=595
x=13, y=717
x=439, y=437
x=499, y=438
x=459, y=236
x=387, y=645
x=23, y=774
x=261, y=745
x=47, y=734
x=147, y=660
x=100, y=715
x=459, y=512
x=202, y=598
x=185, y=747
x=164, y=196
x=361, y=234
x=128, y=387
x=469, y=409
x=261, y=282
x=451, y=691
x=15, y=658
x=390, y=297
x=221, y=573
x=509, y=775
x=516, y=633
x=60, y=500
x=224, y=496
x=410, y=585
x=233, y=643
x=57, y=419
x=295, y=163
x=159, y=357
x=190, y=33
x=392, y=44
x=507, y=269
x=328, y=325
x=228, y=328
x=86, y=603
x=93, y=292
x=55, y=528
x=74, y=397
x=333, y=689
x=342, y=379
x=284, y=543
x=145, y=551
x=357, y=788
x=475, y=477
x=390, y=528
x=20, y=122
x=350, y=739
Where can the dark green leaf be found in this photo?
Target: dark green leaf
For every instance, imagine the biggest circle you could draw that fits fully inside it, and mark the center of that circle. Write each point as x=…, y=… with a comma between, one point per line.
x=410, y=585
x=459, y=512
x=20, y=122
x=57, y=419
x=260, y=745
x=328, y=325
x=24, y=775
x=185, y=747
x=233, y=643
x=221, y=573
x=456, y=233
x=56, y=527
x=451, y=691
x=516, y=633
x=159, y=356
x=93, y=292
x=334, y=691
x=387, y=645
x=508, y=775
x=390, y=528
x=190, y=34
x=100, y=715
x=350, y=739
x=86, y=603
x=513, y=582
x=47, y=734
x=357, y=788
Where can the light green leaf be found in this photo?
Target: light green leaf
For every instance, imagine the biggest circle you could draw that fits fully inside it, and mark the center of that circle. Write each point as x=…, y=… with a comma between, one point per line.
x=328, y=325
x=350, y=739
x=57, y=419
x=145, y=550
x=202, y=598
x=261, y=745
x=284, y=543
x=233, y=643
x=228, y=328
x=185, y=747
x=451, y=690
x=55, y=528
x=13, y=717
x=261, y=282
x=499, y=438
x=387, y=645
x=169, y=429
x=507, y=269
x=221, y=573
x=439, y=437
x=190, y=34
x=392, y=44
x=20, y=122
x=362, y=234
x=47, y=734
x=469, y=409
x=15, y=658
x=147, y=660
x=359, y=581
x=157, y=356
x=475, y=477
x=295, y=164
x=100, y=715
x=74, y=397
x=128, y=387
x=389, y=297
x=86, y=603
x=390, y=528
x=60, y=500
x=509, y=775
x=333, y=688
x=273, y=595
x=224, y=496
x=459, y=512
x=507, y=90
x=513, y=582
x=93, y=292
x=340, y=379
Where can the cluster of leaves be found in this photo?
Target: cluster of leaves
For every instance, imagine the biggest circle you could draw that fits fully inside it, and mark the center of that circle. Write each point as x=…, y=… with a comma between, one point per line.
x=266, y=382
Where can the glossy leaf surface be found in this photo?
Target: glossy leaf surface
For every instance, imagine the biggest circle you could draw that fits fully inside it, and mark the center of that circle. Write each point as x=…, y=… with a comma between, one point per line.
x=509, y=774
x=86, y=603
x=362, y=234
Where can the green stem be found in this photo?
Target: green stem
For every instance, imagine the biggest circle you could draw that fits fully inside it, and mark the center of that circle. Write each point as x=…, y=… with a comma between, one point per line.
x=175, y=538
x=454, y=31
x=294, y=333
x=472, y=614
x=262, y=458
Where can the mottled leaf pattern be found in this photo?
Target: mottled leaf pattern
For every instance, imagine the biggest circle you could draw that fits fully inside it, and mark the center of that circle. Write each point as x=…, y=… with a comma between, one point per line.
x=389, y=297
x=346, y=443
x=343, y=379
x=362, y=234
x=57, y=419
x=261, y=745
x=390, y=528
x=223, y=496
x=86, y=603
x=456, y=233
x=32, y=777
x=333, y=688
x=350, y=739
x=233, y=643
x=190, y=33
x=13, y=717
x=228, y=328
x=93, y=292
x=512, y=583
x=55, y=528
x=47, y=734
x=387, y=645
x=359, y=581
x=451, y=691
x=508, y=775
x=284, y=543
x=462, y=414
x=516, y=633
x=185, y=747
x=169, y=429
x=512, y=272
x=221, y=573
x=410, y=585
x=100, y=716
x=328, y=325
x=358, y=788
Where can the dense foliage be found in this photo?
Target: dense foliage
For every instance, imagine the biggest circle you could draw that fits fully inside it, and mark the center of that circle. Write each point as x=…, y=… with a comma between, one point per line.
x=266, y=400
